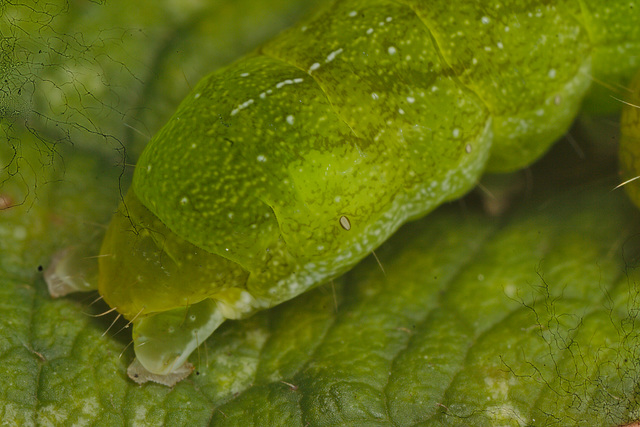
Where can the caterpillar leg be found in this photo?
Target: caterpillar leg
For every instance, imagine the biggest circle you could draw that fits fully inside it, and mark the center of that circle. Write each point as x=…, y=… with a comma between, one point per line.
x=163, y=342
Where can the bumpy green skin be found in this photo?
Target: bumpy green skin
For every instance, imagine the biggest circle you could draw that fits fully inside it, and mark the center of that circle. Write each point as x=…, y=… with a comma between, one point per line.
x=375, y=111
x=630, y=143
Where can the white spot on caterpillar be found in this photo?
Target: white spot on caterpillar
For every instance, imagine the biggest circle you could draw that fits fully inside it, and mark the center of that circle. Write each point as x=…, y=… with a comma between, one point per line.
x=485, y=20
x=148, y=168
x=374, y=96
x=290, y=119
x=20, y=233
x=353, y=13
x=304, y=28
x=400, y=110
x=389, y=19
x=345, y=223
x=557, y=100
x=333, y=55
x=298, y=80
x=314, y=67
x=284, y=83
x=456, y=132
x=263, y=95
x=261, y=158
x=552, y=73
x=244, y=74
x=392, y=50
x=468, y=148
x=320, y=248
x=411, y=99
x=184, y=201
x=241, y=107
x=370, y=31
x=196, y=96
x=193, y=145
x=337, y=199
x=230, y=215
x=500, y=45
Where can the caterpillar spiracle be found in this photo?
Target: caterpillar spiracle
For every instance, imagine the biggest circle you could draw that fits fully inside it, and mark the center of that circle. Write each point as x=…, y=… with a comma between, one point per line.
x=284, y=169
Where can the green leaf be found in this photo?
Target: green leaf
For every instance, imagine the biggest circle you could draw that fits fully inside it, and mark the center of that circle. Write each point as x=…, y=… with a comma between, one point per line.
x=522, y=318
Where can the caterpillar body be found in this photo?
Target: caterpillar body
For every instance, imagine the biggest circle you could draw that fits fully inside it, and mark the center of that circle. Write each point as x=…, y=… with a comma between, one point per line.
x=286, y=168
x=630, y=143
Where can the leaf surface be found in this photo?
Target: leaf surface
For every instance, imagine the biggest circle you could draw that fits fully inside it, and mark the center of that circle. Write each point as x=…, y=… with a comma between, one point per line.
x=524, y=318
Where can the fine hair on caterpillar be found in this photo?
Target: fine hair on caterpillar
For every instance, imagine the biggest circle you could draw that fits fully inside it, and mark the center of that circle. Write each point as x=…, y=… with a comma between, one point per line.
x=629, y=152
x=283, y=170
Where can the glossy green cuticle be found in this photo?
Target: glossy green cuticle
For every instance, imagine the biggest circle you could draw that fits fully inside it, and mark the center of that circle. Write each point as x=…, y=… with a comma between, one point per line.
x=630, y=143
x=372, y=111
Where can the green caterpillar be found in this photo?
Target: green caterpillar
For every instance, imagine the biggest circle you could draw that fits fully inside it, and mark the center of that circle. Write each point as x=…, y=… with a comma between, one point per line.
x=286, y=168
x=630, y=143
